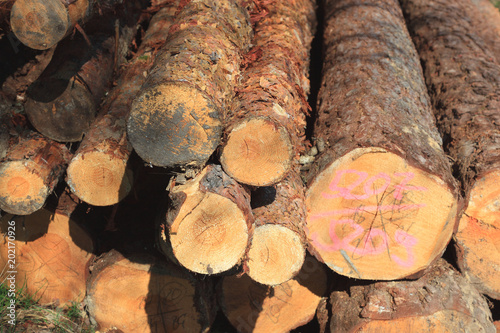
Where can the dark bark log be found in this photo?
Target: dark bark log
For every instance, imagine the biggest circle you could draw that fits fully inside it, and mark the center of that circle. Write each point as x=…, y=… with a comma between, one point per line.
x=98, y=174
x=41, y=24
x=464, y=83
x=440, y=301
x=252, y=307
x=209, y=223
x=141, y=293
x=265, y=130
x=278, y=245
x=29, y=172
x=177, y=118
x=383, y=176
x=52, y=253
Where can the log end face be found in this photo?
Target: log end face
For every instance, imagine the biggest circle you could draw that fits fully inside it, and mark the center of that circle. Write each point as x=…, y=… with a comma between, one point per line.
x=39, y=24
x=478, y=236
x=370, y=210
x=258, y=152
x=212, y=238
x=174, y=124
x=99, y=179
x=60, y=109
x=276, y=255
x=22, y=191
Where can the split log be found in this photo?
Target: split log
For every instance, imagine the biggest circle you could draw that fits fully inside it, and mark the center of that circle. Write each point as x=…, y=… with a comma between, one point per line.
x=209, y=222
x=177, y=118
x=440, y=301
x=98, y=174
x=253, y=307
x=464, y=84
x=382, y=202
x=41, y=24
x=52, y=253
x=266, y=126
x=277, y=249
x=140, y=293
x=29, y=173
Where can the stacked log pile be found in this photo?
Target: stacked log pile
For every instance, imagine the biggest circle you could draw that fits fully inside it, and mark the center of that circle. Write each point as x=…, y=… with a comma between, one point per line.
x=403, y=156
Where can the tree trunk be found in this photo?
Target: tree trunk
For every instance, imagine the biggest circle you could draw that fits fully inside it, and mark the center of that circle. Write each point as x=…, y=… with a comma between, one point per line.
x=52, y=253
x=440, y=301
x=209, y=222
x=29, y=173
x=464, y=84
x=253, y=307
x=98, y=174
x=488, y=24
x=40, y=24
x=381, y=201
x=277, y=249
x=140, y=293
x=266, y=126
x=176, y=120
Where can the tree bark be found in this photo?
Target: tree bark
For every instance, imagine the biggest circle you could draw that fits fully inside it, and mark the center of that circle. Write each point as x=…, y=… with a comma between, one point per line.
x=253, y=307
x=52, y=253
x=41, y=24
x=278, y=245
x=464, y=83
x=440, y=301
x=29, y=172
x=141, y=293
x=209, y=223
x=98, y=174
x=265, y=130
x=383, y=176
x=177, y=118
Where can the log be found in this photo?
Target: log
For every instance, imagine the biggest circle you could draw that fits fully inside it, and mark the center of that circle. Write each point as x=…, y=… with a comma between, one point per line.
x=176, y=119
x=381, y=199
x=253, y=307
x=265, y=130
x=52, y=253
x=98, y=174
x=488, y=24
x=29, y=173
x=41, y=24
x=153, y=295
x=464, y=84
x=63, y=102
x=209, y=222
x=277, y=249
x=440, y=301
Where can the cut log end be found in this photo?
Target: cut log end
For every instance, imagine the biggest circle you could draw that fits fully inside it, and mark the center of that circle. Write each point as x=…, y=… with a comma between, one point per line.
x=21, y=191
x=174, y=124
x=39, y=24
x=216, y=228
x=99, y=179
x=478, y=236
x=370, y=210
x=62, y=110
x=276, y=254
x=258, y=152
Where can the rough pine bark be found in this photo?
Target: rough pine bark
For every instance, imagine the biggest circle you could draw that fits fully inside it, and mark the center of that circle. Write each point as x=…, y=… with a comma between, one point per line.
x=278, y=245
x=440, y=301
x=253, y=307
x=381, y=199
x=40, y=24
x=209, y=222
x=142, y=293
x=52, y=253
x=29, y=172
x=176, y=120
x=464, y=83
x=98, y=174
x=265, y=128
